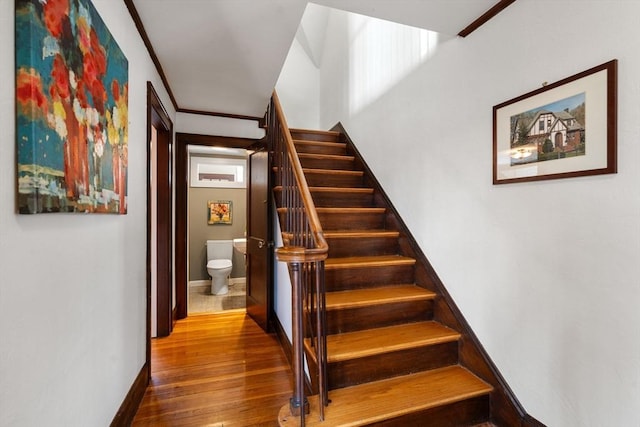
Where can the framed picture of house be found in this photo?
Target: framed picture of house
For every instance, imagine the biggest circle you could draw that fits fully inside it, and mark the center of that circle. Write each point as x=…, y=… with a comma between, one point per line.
x=565, y=129
x=220, y=212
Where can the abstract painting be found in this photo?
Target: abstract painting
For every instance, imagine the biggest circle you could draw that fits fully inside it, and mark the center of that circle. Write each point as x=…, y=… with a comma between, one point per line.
x=71, y=110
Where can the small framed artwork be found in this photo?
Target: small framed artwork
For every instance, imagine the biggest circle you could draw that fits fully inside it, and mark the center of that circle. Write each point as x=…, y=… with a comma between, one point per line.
x=565, y=129
x=220, y=212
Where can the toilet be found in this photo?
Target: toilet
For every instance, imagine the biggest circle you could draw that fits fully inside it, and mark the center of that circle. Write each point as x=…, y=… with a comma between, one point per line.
x=219, y=256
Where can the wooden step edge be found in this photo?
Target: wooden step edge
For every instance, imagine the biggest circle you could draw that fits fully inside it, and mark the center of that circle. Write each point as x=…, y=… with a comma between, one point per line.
x=377, y=401
x=326, y=156
x=344, y=300
x=315, y=131
x=388, y=339
x=361, y=234
x=350, y=190
x=351, y=210
x=342, y=172
x=319, y=143
x=367, y=261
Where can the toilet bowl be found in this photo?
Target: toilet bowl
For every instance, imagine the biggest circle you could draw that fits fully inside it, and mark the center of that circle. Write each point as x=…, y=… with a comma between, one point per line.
x=219, y=265
x=219, y=270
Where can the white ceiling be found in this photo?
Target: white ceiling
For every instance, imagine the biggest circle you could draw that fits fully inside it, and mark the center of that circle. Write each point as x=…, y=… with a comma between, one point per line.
x=225, y=56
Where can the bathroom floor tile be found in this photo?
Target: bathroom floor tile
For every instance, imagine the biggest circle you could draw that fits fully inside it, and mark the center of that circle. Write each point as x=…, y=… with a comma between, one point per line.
x=201, y=300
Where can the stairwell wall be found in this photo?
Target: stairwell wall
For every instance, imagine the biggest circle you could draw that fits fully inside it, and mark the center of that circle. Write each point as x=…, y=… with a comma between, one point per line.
x=73, y=287
x=545, y=272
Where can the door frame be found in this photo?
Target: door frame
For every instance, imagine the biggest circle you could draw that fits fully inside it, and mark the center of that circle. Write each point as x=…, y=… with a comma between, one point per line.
x=157, y=117
x=183, y=140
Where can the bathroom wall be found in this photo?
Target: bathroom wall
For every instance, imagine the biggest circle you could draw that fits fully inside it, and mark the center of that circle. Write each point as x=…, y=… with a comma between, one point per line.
x=200, y=231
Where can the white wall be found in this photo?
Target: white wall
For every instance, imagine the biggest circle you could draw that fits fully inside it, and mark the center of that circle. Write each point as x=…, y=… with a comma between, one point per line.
x=298, y=89
x=546, y=273
x=73, y=287
x=219, y=126
x=282, y=292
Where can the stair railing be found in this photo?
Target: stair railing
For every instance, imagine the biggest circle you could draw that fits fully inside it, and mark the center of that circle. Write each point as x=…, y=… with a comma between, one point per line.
x=304, y=250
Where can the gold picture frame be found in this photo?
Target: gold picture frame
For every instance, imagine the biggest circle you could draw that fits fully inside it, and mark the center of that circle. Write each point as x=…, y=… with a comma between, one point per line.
x=220, y=212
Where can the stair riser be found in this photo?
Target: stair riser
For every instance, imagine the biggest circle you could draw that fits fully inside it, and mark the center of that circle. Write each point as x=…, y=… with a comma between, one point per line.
x=340, y=164
x=336, y=150
x=341, y=200
x=333, y=180
x=465, y=413
x=358, y=278
x=339, y=221
x=373, y=368
x=362, y=246
x=314, y=136
x=377, y=316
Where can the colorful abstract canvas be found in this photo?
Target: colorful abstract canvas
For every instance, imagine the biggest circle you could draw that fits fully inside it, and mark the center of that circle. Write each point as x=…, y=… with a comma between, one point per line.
x=71, y=110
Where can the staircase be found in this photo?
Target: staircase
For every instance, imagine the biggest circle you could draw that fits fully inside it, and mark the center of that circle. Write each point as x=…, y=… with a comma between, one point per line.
x=396, y=353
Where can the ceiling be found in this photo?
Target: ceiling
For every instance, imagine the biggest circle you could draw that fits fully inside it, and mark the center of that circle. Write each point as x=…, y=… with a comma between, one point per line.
x=225, y=56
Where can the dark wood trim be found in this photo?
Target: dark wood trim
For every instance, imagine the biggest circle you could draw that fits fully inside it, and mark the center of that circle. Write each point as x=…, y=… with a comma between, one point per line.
x=216, y=114
x=145, y=38
x=157, y=117
x=215, y=141
x=181, y=229
x=497, y=8
x=283, y=339
x=506, y=409
x=529, y=421
x=183, y=140
x=131, y=402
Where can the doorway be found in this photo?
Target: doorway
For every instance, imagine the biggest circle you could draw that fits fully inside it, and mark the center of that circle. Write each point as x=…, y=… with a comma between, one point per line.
x=217, y=211
x=181, y=248
x=159, y=219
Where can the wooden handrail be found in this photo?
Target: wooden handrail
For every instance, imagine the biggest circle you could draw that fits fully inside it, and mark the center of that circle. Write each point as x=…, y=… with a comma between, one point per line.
x=321, y=249
x=305, y=250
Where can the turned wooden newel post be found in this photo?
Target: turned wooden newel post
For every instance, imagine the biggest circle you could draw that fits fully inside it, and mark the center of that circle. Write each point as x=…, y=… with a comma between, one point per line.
x=294, y=257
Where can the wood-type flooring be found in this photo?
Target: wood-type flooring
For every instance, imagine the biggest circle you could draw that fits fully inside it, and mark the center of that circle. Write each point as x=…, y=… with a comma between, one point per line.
x=216, y=370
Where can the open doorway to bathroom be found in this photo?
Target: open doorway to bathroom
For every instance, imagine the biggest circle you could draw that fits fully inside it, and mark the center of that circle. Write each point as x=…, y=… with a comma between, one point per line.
x=216, y=222
x=193, y=284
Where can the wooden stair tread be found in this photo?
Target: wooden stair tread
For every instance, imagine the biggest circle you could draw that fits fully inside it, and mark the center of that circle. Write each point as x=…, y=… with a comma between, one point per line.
x=354, y=190
x=325, y=156
x=331, y=133
x=371, y=296
x=368, y=261
x=377, y=401
x=320, y=143
x=332, y=172
x=351, y=211
x=345, y=234
x=368, y=342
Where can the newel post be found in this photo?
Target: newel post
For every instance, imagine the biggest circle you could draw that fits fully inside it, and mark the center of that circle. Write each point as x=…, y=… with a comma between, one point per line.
x=294, y=257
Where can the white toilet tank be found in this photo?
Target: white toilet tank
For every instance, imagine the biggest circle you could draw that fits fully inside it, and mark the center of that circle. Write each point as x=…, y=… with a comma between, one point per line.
x=219, y=249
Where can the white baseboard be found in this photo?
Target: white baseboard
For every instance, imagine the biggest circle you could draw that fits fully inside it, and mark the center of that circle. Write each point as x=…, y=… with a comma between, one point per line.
x=232, y=281
x=196, y=283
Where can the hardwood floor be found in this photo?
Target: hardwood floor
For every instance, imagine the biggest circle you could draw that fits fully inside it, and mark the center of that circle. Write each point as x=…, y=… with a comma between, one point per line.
x=216, y=370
